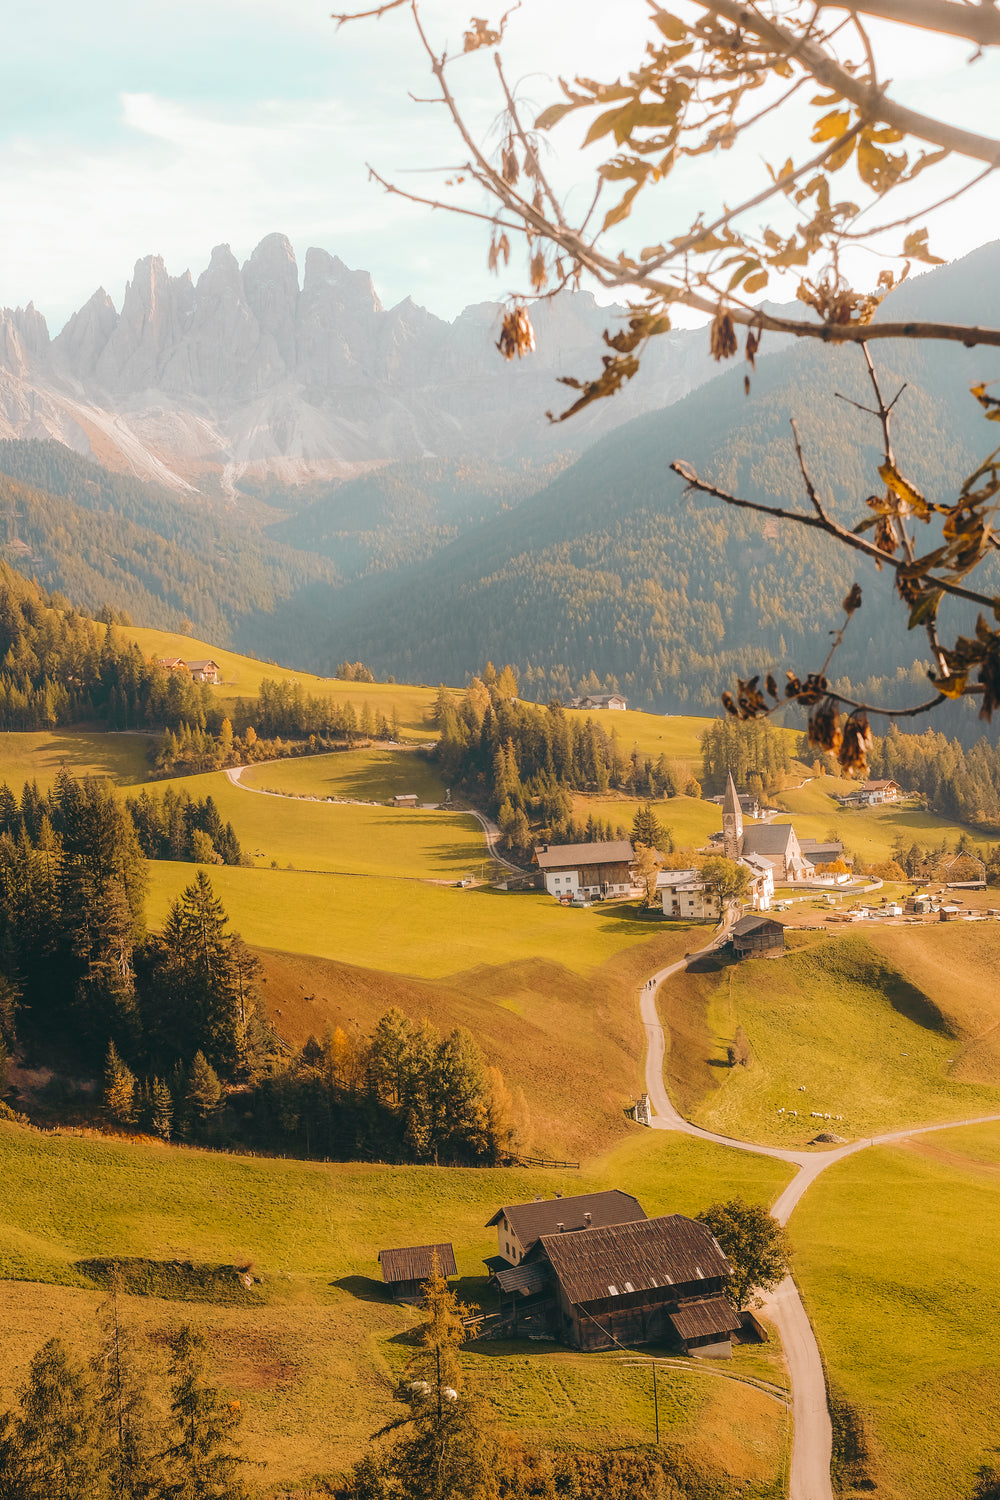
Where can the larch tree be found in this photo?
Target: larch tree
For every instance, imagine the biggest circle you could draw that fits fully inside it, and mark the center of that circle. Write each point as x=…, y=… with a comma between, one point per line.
x=448, y=1443
x=863, y=171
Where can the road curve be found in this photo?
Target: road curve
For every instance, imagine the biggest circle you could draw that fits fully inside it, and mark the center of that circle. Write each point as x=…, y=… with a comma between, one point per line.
x=812, y=1433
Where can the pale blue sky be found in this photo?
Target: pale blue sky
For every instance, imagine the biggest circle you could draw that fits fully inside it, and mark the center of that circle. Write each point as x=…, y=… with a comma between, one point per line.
x=127, y=129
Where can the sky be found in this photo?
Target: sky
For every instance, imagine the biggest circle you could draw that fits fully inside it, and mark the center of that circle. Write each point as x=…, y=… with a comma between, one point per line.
x=127, y=130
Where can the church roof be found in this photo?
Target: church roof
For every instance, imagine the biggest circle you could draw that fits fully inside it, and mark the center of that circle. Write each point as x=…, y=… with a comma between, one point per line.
x=731, y=800
x=768, y=838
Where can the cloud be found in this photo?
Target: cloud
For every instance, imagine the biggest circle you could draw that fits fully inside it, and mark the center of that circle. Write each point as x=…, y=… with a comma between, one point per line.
x=261, y=116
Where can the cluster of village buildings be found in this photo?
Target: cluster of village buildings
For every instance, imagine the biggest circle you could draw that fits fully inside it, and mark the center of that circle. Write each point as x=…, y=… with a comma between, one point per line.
x=771, y=853
x=594, y=1272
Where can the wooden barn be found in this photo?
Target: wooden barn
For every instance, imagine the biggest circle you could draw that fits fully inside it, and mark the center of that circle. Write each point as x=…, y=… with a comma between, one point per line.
x=404, y=1271
x=603, y=868
x=519, y=1226
x=650, y=1281
x=755, y=936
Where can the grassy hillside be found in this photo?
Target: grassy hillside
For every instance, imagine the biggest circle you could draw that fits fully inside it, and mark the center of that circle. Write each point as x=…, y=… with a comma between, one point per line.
x=40, y=756
x=568, y=1044
x=318, y=1335
x=899, y=1268
x=398, y=843
x=881, y=1032
x=243, y=675
x=868, y=832
x=402, y=926
x=370, y=775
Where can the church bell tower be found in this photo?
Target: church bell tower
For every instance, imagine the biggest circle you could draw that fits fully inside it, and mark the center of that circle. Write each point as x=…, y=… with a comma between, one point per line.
x=732, y=821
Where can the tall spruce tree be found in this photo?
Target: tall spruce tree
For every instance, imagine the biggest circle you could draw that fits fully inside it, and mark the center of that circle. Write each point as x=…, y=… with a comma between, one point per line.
x=201, y=1461
x=49, y=1448
x=132, y=1464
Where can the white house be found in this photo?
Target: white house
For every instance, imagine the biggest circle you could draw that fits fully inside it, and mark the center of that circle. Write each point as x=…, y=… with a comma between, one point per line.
x=204, y=671
x=600, y=701
x=683, y=893
x=599, y=869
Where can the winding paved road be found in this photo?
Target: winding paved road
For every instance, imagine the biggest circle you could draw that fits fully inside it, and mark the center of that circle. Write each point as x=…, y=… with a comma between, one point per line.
x=812, y=1434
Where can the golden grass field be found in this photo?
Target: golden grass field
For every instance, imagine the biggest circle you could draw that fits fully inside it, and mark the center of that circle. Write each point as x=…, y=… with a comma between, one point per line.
x=898, y=1262
x=39, y=756
x=312, y=1353
x=869, y=1027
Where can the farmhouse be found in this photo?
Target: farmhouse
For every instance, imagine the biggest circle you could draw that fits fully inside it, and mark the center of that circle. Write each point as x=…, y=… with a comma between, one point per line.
x=637, y=1283
x=872, y=794
x=172, y=663
x=204, y=671
x=405, y=799
x=600, y=701
x=758, y=937
x=520, y=1225
x=404, y=1271
x=598, y=869
x=683, y=893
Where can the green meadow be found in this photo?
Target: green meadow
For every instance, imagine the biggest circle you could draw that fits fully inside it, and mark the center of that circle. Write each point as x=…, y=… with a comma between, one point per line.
x=868, y=832
x=878, y=1032
x=243, y=675
x=40, y=756
x=898, y=1261
x=317, y=1334
x=397, y=843
x=370, y=775
x=689, y=820
x=404, y=926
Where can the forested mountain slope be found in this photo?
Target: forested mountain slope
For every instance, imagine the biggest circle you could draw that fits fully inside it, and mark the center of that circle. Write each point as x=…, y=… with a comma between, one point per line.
x=610, y=571
x=600, y=573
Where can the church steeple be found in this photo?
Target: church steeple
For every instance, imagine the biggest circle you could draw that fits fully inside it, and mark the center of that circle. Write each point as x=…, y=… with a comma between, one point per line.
x=732, y=821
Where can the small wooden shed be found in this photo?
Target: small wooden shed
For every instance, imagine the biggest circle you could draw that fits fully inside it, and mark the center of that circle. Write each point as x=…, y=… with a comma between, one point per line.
x=758, y=937
x=405, y=1270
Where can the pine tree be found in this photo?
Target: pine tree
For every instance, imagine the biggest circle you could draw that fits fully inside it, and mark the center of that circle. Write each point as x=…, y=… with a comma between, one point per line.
x=162, y=1109
x=203, y=1088
x=119, y=1087
x=49, y=1448
x=201, y=1462
x=648, y=830
x=131, y=1464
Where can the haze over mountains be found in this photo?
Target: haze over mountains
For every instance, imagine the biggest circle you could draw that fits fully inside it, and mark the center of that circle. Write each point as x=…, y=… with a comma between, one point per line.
x=579, y=569
x=245, y=372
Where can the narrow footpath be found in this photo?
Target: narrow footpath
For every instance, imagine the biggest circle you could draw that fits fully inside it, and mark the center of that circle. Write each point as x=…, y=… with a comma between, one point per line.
x=812, y=1433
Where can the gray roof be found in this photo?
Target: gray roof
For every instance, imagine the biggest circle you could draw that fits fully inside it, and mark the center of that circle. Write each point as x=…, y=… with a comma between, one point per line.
x=531, y=1220
x=753, y=922
x=417, y=1262
x=821, y=854
x=626, y=1258
x=695, y=1319
x=523, y=1279
x=569, y=856
x=767, y=838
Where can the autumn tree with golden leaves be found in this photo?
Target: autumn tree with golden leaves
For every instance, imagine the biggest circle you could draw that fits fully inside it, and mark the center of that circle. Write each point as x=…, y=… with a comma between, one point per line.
x=863, y=170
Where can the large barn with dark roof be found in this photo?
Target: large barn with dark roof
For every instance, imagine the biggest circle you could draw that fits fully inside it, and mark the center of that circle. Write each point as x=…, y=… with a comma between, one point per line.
x=520, y=1225
x=648, y=1281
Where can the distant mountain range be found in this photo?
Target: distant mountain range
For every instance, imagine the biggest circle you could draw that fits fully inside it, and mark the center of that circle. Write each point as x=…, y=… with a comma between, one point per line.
x=583, y=571
x=246, y=374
